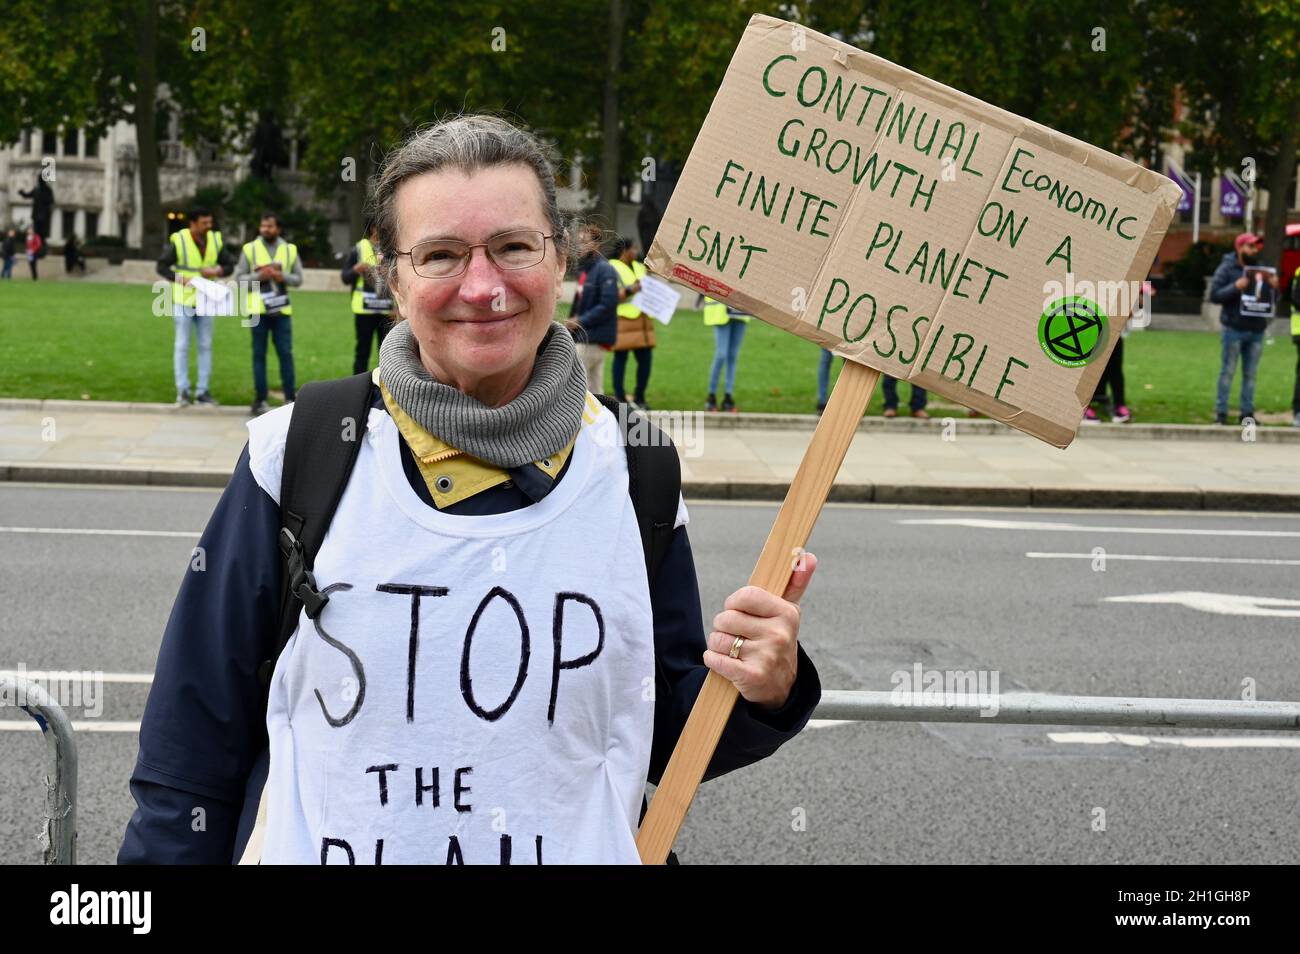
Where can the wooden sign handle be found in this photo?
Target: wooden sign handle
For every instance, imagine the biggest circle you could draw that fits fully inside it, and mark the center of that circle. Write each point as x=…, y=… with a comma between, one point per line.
x=794, y=524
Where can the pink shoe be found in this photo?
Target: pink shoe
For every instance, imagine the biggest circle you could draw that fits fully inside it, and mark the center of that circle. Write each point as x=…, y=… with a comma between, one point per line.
x=1122, y=415
x=1089, y=415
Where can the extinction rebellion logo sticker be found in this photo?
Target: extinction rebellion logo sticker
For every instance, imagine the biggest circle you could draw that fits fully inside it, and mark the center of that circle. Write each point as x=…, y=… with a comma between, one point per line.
x=1072, y=331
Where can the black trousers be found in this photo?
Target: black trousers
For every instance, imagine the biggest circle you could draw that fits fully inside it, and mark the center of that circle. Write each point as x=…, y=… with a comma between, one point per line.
x=1114, y=376
x=368, y=326
x=644, y=356
x=1295, y=398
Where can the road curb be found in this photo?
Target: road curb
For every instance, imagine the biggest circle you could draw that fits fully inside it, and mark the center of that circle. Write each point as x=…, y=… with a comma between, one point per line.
x=53, y=406
x=1084, y=497
x=1265, y=433
x=132, y=476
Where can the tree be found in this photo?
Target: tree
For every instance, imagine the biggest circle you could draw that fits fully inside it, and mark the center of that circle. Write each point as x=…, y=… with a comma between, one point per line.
x=74, y=65
x=1243, y=97
x=1068, y=64
x=1033, y=57
x=389, y=71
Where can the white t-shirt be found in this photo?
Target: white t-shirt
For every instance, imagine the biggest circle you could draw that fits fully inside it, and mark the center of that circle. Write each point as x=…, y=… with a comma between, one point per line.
x=478, y=688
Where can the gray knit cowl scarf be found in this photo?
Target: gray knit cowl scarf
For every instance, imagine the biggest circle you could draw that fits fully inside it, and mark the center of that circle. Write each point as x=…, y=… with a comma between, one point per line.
x=539, y=422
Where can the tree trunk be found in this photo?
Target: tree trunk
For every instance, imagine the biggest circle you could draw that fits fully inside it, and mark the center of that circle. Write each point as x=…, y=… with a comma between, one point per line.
x=146, y=138
x=607, y=200
x=1279, y=189
x=356, y=191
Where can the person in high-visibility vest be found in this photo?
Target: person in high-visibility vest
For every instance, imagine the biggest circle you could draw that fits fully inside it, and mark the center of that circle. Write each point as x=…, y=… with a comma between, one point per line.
x=371, y=309
x=728, y=326
x=193, y=252
x=1295, y=337
x=636, y=333
x=274, y=263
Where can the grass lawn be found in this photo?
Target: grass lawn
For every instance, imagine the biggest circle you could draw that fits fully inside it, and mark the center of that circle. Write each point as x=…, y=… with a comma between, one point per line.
x=102, y=342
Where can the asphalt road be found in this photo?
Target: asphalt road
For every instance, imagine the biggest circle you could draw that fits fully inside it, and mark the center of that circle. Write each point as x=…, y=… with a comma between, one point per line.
x=943, y=588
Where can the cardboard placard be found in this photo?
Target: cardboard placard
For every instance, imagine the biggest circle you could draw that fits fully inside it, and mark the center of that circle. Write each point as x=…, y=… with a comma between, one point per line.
x=913, y=228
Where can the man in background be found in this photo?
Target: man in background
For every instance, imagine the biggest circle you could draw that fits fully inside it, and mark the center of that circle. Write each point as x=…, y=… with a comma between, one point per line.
x=8, y=249
x=371, y=310
x=275, y=265
x=193, y=252
x=1295, y=337
x=595, y=327
x=1242, y=335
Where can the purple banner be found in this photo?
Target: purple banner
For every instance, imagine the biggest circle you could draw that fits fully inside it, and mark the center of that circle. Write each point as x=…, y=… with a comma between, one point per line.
x=1189, y=194
x=1232, y=200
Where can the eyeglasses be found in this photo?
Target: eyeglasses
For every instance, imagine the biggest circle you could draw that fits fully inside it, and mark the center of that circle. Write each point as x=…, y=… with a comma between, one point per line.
x=447, y=258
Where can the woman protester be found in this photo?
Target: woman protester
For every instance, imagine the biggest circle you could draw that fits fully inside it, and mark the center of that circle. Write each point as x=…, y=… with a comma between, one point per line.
x=636, y=332
x=468, y=679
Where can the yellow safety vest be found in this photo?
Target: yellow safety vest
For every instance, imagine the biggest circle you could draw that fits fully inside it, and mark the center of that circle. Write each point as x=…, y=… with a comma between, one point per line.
x=627, y=276
x=368, y=302
x=715, y=313
x=1295, y=312
x=189, y=261
x=269, y=299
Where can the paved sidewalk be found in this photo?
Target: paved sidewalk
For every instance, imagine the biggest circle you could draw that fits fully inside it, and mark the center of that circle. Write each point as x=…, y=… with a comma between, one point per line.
x=744, y=457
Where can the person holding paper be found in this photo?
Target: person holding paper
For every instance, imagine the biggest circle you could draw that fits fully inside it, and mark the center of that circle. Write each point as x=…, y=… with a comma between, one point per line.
x=497, y=671
x=371, y=308
x=1295, y=337
x=276, y=265
x=636, y=333
x=194, y=252
x=1243, y=333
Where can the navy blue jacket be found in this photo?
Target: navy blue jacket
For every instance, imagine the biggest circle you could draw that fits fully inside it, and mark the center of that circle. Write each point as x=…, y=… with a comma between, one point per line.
x=598, y=306
x=203, y=740
x=1224, y=291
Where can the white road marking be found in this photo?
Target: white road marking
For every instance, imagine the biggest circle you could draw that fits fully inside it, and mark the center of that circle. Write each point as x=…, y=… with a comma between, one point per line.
x=95, y=532
x=1046, y=526
x=23, y=725
x=1150, y=558
x=1225, y=604
x=827, y=723
x=76, y=675
x=1187, y=742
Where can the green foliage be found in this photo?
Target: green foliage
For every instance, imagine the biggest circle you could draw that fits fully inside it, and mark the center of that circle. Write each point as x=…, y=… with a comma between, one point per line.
x=238, y=214
x=1240, y=79
x=351, y=80
x=77, y=64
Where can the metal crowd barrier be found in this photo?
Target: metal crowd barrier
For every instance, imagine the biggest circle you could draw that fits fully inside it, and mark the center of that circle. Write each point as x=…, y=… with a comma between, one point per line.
x=59, y=833
x=1019, y=708
x=1035, y=708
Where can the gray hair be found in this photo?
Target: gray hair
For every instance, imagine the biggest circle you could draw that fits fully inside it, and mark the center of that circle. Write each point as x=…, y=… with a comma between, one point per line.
x=466, y=143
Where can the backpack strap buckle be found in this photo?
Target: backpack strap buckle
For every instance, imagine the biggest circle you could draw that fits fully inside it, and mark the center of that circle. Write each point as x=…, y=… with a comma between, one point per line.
x=302, y=582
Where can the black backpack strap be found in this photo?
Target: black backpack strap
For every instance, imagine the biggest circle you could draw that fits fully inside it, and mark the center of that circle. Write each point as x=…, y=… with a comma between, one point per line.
x=654, y=475
x=329, y=420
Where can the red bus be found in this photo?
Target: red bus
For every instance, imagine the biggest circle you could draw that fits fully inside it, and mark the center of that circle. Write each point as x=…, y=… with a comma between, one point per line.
x=1290, y=256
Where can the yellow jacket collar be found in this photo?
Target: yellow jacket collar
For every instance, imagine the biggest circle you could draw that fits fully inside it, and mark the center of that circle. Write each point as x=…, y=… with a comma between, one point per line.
x=450, y=474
